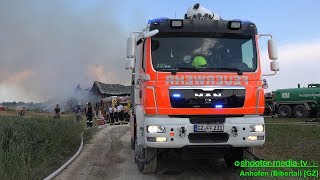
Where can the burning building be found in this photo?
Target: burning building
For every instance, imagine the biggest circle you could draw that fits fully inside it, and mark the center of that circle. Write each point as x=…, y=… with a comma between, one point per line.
x=102, y=90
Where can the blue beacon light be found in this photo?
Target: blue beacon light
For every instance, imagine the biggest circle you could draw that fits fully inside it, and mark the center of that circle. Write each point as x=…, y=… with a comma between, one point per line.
x=158, y=20
x=176, y=95
x=218, y=106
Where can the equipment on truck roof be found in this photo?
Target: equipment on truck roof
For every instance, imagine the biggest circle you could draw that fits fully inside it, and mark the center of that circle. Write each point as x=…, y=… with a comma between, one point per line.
x=199, y=12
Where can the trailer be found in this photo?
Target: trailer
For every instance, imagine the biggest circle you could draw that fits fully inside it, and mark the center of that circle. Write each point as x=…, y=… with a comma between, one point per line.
x=297, y=102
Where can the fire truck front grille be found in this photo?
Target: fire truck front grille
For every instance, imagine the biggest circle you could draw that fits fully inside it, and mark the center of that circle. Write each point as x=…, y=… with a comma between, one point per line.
x=208, y=137
x=199, y=98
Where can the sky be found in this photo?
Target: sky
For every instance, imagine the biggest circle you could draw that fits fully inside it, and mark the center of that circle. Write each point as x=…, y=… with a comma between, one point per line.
x=48, y=47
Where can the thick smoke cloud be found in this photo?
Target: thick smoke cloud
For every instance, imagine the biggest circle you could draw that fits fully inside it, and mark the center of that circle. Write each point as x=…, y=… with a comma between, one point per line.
x=48, y=47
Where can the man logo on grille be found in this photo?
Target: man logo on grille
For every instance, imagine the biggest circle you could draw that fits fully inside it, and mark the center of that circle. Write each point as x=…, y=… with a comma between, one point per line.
x=207, y=95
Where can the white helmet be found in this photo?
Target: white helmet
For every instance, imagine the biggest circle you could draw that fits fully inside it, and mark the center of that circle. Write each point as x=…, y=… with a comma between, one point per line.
x=199, y=12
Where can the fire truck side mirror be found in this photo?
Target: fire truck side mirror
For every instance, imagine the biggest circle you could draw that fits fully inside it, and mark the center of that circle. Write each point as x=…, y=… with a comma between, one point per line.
x=272, y=50
x=130, y=64
x=131, y=47
x=274, y=66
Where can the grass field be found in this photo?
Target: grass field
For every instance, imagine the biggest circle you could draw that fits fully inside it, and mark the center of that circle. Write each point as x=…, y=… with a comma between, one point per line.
x=33, y=146
x=290, y=141
x=285, y=120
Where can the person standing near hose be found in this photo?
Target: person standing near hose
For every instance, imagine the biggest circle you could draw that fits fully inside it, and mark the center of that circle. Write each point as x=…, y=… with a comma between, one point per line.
x=116, y=115
x=111, y=115
x=89, y=114
x=57, y=111
x=120, y=110
x=78, y=113
x=126, y=113
x=119, y=114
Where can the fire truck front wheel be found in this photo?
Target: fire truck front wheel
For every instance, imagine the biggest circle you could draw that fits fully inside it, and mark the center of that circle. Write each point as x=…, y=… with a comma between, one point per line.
x=146, y=159
x=132, y=144
x=236, y=154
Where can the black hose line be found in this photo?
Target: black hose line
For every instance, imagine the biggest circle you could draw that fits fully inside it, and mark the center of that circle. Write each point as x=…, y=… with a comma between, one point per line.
x=254, y=156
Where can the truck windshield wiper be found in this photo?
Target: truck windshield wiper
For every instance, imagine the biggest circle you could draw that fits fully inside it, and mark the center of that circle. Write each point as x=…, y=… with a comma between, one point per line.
x=187, y=69
x=182, y=69
x=172, y=70
x=175, y=70
x=227, y=69
x=167, y=69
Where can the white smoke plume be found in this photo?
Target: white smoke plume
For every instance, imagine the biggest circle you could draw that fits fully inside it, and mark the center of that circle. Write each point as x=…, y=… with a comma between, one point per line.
x=48, y=47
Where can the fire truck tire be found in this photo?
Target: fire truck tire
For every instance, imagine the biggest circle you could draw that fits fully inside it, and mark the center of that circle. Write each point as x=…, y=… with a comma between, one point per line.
x=132, y=144
x=300, y=111
x=146, y=154
x=236, y=154
x=285, y=111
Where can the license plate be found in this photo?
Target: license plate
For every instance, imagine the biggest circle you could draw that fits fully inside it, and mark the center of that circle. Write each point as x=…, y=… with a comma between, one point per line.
x=208, y=128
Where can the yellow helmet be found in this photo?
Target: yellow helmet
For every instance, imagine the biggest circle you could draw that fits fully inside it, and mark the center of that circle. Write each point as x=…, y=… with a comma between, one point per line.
x=199, y=62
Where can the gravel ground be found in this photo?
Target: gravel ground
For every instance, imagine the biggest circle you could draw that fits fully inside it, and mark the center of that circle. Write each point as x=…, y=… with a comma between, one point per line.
x=109, y=156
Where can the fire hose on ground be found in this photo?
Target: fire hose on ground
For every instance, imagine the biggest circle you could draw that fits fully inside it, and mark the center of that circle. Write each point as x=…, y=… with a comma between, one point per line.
x=58, y=171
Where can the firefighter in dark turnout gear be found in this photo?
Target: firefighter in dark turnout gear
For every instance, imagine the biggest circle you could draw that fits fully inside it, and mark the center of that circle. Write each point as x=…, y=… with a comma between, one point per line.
x=120, y=110
x=115, y=115
x=78, y=113
x=111, y=115
x=57, y=112
x=89, y=114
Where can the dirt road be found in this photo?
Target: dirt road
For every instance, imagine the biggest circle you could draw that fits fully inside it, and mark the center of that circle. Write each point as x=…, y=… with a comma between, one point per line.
x=109, y=156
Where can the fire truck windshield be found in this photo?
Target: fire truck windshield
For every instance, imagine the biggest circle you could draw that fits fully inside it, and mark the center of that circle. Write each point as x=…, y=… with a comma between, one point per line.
x=203, y=54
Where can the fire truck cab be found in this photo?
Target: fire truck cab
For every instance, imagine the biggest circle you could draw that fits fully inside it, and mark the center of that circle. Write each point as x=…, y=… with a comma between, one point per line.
x=197, y=88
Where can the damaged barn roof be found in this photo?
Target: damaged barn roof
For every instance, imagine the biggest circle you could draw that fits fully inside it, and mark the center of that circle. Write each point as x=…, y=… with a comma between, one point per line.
x=111, y=89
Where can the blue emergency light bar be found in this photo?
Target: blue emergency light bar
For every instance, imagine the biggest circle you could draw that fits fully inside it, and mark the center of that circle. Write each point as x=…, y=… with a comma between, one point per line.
x=176, y=95
x=157, y=20
x=218, y=106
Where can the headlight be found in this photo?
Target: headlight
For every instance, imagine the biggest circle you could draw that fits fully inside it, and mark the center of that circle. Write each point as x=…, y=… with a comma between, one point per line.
x=156, y=129
x=256, y=128
x=161, y=139
x=156, y=139
x=252, y=138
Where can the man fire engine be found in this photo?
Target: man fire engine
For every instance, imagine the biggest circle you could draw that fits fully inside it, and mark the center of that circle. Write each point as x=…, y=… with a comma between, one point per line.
x=197, y=88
